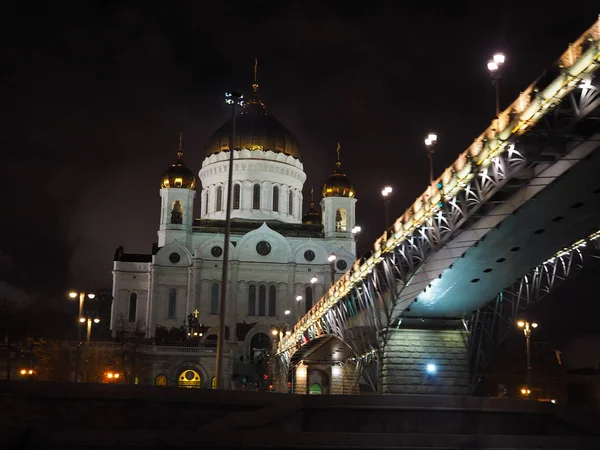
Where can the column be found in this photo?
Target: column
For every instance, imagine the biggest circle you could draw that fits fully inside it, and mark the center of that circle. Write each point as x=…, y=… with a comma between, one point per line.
x=336, y=381
x=426, y=361
x=301, y=379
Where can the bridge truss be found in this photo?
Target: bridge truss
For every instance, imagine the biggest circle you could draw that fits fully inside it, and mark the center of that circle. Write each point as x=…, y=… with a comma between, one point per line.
x=367, y=301
x=489, y=326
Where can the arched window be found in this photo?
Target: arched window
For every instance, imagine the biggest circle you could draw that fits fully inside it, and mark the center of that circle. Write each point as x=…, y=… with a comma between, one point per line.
x=275, y=198
x=309, y=298
x=132, y=307
x=177, y=212
x=262, y=300
x=172, y=306
x=219, y=198
x=252, y=300
x=214, y=298
x=290, y=203
x=272, y=300
x=236, y=196
x=340, y=220
x=256, y=196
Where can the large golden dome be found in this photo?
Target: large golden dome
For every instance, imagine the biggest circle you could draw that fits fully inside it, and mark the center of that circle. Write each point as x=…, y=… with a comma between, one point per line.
x=178, y=175
x=338, y=184
x=255, y=129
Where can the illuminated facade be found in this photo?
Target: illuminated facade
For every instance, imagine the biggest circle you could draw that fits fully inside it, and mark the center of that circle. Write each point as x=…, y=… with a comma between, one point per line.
x=275, y=252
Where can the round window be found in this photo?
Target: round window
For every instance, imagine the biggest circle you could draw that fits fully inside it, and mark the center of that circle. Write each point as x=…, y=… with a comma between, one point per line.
x=341, y=264
x=263, y=248
x=174, y=258
x=309, y=255
x=216, y=251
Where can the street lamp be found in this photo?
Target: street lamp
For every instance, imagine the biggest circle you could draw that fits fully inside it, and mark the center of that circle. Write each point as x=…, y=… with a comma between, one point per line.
x=386, y=192
x=494, y=65
x=331, y=258
x=89, y=321
x=314, y=279
x=234, y=99
x=430, y=142
x=527, y=327
x=82, y=296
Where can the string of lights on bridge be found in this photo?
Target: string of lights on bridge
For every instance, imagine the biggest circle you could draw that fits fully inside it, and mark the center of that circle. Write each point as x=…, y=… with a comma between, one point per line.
x=577, y=67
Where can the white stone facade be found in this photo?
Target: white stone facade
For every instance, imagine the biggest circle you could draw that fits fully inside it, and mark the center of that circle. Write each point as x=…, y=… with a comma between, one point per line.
x=272, y=255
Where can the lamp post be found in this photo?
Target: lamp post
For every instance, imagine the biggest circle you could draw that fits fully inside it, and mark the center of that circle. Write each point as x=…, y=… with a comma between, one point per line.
x=386, y=193
x=430, y=142
x=494, y=65
x=89, y=321
x=234, y=99
x=527, y=327
x=82, y=296
x=331, y=258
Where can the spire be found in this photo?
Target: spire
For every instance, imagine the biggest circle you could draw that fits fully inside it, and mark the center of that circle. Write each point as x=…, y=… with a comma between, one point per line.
x=312, y=196
x=254, y=99
x=338, y=162
x=180, y=151
x=255, y=84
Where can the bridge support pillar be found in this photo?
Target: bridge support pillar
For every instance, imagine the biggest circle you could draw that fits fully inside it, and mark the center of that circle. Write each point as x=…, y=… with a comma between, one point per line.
x=344, y=379
x=426, y=361
x=301, y=379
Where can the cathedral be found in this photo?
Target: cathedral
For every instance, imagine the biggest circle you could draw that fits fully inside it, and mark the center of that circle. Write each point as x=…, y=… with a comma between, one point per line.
x=281, y=261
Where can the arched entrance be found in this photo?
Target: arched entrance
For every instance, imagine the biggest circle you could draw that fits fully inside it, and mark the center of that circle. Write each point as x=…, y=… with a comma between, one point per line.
x=189, y=379
x=315, y=389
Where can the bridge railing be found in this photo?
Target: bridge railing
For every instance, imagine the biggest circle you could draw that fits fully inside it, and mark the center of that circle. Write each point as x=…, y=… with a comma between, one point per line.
x=579, y=61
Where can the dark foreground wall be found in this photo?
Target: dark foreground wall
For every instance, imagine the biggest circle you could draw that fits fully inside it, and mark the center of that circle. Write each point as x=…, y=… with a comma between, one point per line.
x=69, y=416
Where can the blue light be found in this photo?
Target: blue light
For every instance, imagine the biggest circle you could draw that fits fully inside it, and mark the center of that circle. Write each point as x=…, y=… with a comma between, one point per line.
x=440, y=204
x=439, y=185
x=431, y=369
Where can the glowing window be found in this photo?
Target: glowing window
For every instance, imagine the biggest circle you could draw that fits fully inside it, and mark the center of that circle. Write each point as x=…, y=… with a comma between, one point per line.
x=340, y=219
x=315, y=389
x=189, y=379
x=161, y=380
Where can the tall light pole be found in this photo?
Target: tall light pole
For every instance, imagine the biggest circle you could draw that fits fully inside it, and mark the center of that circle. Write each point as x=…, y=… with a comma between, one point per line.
x=234, y=99
x=430, y=143
x=386, y=193
x=331, y=258
x=82, y=296
x=527, y=327
x=494, y=65
x=89, y=321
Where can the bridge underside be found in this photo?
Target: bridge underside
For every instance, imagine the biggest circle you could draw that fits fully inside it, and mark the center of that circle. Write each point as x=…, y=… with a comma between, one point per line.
x=512, y=238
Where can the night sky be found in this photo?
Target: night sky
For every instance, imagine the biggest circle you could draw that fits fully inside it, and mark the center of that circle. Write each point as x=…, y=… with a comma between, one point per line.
x=96, y=94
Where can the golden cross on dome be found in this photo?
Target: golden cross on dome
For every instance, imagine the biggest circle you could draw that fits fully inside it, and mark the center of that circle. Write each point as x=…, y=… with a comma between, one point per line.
x=312, y=191
x=196, y=312
x=255, y=84
x=180, y=152
x=337, y=150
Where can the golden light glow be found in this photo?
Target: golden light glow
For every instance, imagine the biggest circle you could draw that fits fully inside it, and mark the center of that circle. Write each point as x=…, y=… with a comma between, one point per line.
x=82, y=319
x=23, y=372
x=520, y=324
x=73, y=294
x=274, y=332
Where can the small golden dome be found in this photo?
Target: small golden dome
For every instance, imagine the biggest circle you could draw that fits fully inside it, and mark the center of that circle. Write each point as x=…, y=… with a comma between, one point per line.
x=338, y=184
x=178, y=175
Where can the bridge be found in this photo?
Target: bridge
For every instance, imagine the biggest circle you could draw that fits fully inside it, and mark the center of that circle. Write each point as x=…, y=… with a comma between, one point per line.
x=516, y=215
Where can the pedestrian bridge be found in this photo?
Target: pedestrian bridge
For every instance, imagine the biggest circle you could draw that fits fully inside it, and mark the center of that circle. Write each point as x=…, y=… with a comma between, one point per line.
x=517, y=213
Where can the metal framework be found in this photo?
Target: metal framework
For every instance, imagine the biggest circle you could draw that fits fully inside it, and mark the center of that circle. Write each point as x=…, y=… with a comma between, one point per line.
x=368, y=300
x=490, y=325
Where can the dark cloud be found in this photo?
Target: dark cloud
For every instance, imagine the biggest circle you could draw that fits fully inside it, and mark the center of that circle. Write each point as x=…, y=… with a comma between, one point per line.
x=97, y=94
